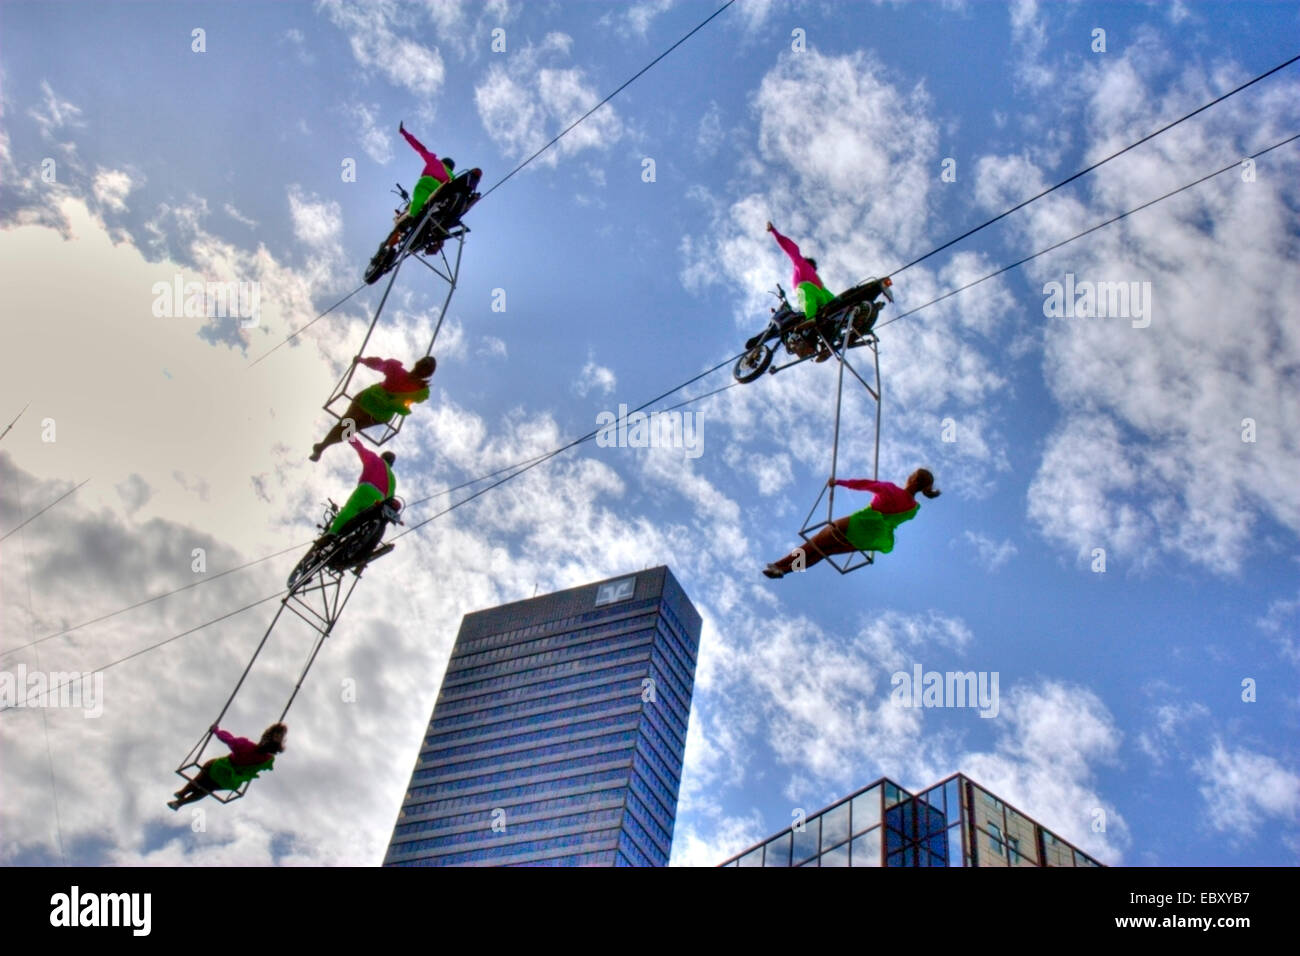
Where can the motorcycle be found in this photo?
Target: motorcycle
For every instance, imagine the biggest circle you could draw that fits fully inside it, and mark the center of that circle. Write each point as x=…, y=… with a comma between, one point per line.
x=844, y=322
x=356, y=545
x=436, y=223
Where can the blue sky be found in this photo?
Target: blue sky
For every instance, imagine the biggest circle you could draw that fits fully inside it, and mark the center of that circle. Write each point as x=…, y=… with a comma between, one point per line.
x=1120, y=691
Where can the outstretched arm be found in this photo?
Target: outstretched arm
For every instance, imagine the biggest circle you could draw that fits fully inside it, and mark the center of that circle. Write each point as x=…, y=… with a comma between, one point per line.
x=864, y=484
x=387, y=366
x=238, y=745
x=418, y=146
x=787, y=245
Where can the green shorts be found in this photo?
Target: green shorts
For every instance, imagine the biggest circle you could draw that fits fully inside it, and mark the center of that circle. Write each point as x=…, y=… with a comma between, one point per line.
x=813, y=298
x=230, y=776
x=868, y=531
x=361, y=499
x=425, y=187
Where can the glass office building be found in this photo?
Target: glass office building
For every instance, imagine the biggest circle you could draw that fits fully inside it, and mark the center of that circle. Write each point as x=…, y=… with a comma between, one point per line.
x=558, y=733
x=954, y=823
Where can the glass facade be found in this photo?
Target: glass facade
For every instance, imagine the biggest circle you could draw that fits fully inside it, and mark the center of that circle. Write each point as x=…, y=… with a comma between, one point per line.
x=558, y=733
x=954, y=823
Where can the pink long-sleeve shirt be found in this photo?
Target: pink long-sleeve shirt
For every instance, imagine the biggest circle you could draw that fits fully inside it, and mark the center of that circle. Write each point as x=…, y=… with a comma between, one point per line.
x=803, y=270
x=432, y=164
x=396, y=377
x=889, y=500
x=242, y=750
x=374, y=470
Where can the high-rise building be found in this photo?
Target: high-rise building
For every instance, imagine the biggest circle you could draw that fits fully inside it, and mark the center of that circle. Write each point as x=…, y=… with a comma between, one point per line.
x=954, y=823
x=558, y=734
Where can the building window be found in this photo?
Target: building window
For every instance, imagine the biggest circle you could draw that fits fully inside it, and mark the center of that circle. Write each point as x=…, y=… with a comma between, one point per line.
x=995, y=836
x=611, y=592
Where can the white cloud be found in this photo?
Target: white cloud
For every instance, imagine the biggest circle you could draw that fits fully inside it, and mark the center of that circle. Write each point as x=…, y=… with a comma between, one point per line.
x=1050, y=737
x=991, y=554
x=111, y=187
x=1170, y=725
x=1243, y=788
x=635, y=19
x=824, y=170
x=522, y=104
x=1029, y=38
x=54, y=114
x=238, y=216
x=595, y=378
x=492, y=347
x=375, y=140
x=1148, y=460
x=708, y=136
x=379, y=34
x=1279, y=621
x=295, y=39
x=316, y=222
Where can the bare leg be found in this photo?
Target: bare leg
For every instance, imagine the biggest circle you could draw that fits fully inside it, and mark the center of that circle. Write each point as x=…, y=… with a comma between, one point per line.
x=360, y=419
x=201, y=786
x=830, y=540
x=397, y=228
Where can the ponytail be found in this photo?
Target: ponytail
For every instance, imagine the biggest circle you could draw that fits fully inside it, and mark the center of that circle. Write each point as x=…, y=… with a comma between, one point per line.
x=925, y=483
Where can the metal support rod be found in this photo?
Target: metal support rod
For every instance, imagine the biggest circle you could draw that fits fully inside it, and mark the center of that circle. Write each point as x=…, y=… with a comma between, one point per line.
x=207, y=735
x=835, y=446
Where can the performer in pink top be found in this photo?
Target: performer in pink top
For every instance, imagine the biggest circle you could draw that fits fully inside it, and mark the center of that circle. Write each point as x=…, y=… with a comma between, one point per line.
x=812, y=293
x=377, y=483
x=378, y=404
x=437, y=172
x=871, y=529
x=245, y=761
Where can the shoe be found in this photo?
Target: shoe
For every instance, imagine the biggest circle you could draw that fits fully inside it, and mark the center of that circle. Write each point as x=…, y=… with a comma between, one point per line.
x=174, y=804
x=823, y=355
x=315, y=453
x=772, y=571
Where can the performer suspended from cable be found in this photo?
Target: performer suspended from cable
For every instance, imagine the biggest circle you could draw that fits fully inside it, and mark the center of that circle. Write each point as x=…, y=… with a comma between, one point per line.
x=244, y=762
x=377, y=484
x=812, y=293
x=871, y=529
x=437, y=173
x=378, y=404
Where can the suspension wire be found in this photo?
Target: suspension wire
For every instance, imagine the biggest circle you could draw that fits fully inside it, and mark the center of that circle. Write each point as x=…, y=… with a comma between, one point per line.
x=1088, y=169
x=42, y=511
x=156, y=597
x=645, y=69
x=1019, y=262
x=153, y=647
x=527, y=463
x=45, y=720
x=563, y=448
x=15, y=421
x=309, y=324
x=568, y=129
x=530, y=463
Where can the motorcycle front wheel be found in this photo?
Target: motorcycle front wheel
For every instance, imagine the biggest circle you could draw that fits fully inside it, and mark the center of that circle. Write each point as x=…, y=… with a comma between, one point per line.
x=753, y=363
x=312, y=562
